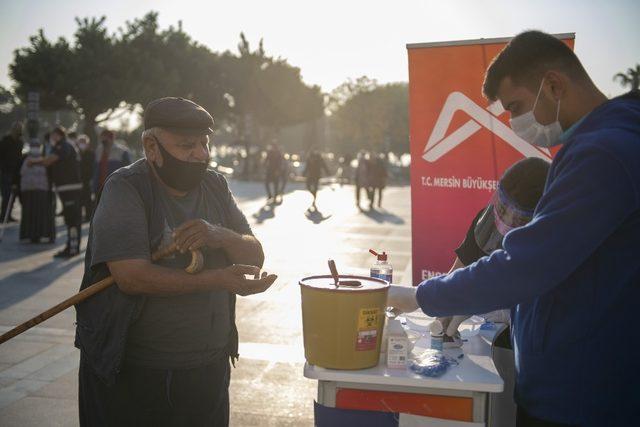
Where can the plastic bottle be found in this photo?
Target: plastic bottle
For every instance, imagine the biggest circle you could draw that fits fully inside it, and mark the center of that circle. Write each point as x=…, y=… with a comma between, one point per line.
x=437, y=334
x=397, y=344
x=381, y=269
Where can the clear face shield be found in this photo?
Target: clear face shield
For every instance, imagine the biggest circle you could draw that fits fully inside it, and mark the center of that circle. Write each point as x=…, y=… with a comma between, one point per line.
x=501, y=216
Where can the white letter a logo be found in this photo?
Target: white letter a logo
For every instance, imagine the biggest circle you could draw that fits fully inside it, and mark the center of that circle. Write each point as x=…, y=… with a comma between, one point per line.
x=438, y=145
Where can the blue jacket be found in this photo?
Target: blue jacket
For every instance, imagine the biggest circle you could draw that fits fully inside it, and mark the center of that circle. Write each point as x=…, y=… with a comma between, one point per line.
x=572, y=279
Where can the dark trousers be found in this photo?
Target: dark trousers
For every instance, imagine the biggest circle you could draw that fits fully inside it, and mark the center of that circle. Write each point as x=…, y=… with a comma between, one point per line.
x=525, y=420
x=368, y=190
x=6, y=181
x=72, y=218
x=312, y=186
x=144, y=397
x=86, y=200
x=272, y=180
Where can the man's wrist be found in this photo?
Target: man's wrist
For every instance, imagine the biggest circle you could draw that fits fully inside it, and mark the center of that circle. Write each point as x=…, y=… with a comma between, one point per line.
x=208, y=279
x=230, y=238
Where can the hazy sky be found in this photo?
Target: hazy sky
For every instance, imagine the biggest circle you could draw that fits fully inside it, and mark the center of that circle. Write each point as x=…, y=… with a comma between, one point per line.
x=332, y=40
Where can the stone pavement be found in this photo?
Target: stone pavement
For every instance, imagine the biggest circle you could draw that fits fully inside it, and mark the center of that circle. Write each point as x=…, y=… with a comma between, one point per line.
x=38, y=370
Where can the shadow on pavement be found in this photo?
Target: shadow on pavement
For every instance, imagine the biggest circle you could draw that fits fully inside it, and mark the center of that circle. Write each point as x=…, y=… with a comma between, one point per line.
x=251, y=190
x=266, y=212
x=382, y=217
x=23, y=284
x=316, y=216
x=12, y=249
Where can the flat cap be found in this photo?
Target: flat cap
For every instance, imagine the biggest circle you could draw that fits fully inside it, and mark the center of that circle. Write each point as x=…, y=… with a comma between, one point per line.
x=178, y=115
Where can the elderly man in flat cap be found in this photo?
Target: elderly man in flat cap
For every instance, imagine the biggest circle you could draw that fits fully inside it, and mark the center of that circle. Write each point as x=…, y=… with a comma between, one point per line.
x=155, y=349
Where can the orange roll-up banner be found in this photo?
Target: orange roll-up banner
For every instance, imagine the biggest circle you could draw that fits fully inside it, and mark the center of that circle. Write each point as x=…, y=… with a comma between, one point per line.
x=460, y=146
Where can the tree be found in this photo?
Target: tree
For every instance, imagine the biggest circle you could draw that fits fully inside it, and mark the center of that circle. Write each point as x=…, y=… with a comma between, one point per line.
x=169, y=63
x=365, y=115
x=631, y=78
x=268, y=89
x=100, y=75
x=7, y=100
x=45, y=67
x=265, y=94
x=96, y=71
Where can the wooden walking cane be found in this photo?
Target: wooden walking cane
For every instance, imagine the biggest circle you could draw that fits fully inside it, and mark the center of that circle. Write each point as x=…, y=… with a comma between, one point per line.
x=196, y=265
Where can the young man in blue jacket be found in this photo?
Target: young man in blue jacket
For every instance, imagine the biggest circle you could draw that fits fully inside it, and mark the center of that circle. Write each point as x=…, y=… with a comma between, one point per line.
x=572, y=275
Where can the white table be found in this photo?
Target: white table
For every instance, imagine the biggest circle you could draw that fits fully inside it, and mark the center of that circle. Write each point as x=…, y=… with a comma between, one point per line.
x=473, y=378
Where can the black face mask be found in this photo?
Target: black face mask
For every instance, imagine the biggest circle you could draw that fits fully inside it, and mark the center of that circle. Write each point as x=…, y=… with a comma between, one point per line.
x=178, y=174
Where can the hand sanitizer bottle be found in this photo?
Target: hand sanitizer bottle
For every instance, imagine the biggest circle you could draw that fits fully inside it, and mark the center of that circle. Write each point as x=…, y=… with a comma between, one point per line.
x=381, y=269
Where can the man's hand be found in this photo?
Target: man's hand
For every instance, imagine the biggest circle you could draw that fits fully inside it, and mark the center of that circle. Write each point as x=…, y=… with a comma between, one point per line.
x=233, y=279
x=197, y=233
x=402, y=298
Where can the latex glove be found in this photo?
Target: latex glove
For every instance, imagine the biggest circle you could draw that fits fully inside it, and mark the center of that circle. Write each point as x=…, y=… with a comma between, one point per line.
x=498, y=316
x=451, y=323
x=450, y=326
x=402, y=298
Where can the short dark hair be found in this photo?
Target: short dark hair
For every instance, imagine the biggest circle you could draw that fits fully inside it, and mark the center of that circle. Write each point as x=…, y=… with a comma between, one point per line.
x=60, y=130
x=524, y=181
x=526, y=59
x=73, y=135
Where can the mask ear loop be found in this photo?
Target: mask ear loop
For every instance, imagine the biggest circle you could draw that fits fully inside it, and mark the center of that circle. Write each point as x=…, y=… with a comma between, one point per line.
x=537, y=96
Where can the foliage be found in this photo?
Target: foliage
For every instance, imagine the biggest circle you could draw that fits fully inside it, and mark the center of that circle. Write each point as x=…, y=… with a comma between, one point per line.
x=267, y=91
x=100, y=73
x=631, y=78
x=365, y=115
x=43, y=66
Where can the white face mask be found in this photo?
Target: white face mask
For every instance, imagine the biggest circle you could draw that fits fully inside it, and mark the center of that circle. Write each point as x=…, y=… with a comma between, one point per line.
x=535, y=133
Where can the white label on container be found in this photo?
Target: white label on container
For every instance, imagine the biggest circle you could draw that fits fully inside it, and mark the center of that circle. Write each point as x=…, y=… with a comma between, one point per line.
x=397, y=352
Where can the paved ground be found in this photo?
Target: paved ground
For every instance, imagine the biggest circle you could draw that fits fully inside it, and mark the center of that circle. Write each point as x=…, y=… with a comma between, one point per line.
x=38, y=370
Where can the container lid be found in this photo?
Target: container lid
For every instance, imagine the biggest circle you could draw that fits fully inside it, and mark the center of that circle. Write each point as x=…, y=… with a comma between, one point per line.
x=367, y=284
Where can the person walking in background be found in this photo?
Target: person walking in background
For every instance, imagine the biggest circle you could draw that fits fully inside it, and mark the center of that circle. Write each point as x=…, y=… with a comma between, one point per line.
x=273, y=165
x=37, y=219
x=10, y=159
x=87, y=166
x=313, y=171
x=110, y=156
x=284, y=176
x=64, y=164
x=378, y=178
x=362, y=177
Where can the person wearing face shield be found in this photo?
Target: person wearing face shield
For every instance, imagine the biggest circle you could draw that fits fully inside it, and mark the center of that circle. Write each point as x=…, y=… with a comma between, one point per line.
x=511, y=206
x=571, y=274
x=155, y=349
